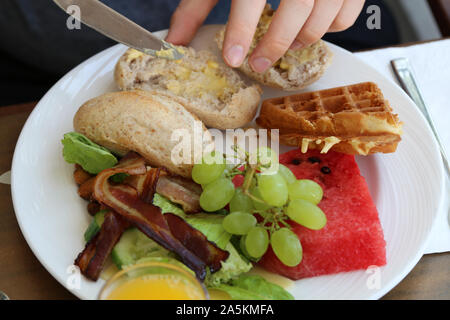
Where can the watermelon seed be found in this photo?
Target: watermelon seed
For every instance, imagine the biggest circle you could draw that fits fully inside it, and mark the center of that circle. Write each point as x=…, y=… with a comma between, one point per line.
x=325, y=170
x=296, y=161
x=314, y=160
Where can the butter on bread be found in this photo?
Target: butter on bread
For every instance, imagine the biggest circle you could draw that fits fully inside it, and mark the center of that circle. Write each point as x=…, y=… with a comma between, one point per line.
x=295, y=70
x=354, y=119
x=142, y=122
x=206, y=87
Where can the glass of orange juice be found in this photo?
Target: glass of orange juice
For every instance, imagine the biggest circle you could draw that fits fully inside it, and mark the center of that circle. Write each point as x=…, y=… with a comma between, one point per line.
x=154, y=281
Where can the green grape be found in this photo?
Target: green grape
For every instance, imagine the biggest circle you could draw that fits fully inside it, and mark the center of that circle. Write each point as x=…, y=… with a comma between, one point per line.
x=242, y=247
x=257, y=204
x=204, y=186
x=266, y=159
x=217, y=194
x=273, y=189
x=241, y=202
x=306, y=213
x=305, y=189
x=211, y=168
x=287, y=174
x=238, y=222
x=256, y=242
x=287, y=247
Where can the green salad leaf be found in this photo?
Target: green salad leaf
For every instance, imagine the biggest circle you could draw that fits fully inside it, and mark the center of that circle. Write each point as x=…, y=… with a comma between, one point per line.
x=254, y=287
x=234, y=266
x=167, y=206
x=89, y=155
x=211, y=226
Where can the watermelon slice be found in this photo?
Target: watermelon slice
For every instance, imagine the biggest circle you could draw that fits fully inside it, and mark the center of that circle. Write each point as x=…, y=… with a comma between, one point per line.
x=352, y=238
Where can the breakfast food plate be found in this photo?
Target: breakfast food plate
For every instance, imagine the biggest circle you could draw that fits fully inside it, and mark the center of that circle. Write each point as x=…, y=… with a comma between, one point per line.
x=406, y=186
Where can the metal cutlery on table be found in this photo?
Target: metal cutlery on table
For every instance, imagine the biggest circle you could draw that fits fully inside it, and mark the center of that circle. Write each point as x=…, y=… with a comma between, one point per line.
x=3, y=296
x=112, y=24
x=405, y=76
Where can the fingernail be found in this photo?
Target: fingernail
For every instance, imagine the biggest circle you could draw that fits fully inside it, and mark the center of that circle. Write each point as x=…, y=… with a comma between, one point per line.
x=260, y=64
x=235, y=55
x=296, y=45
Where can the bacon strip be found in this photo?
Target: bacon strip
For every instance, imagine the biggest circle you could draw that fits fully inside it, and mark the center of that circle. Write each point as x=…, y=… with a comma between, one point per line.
x=146, y=184
x=80, y=176
x=181, y=191
x=190, y=245
x=177, y=189
x=149, y=219
x=92, y=259
x=93, y=207
x=194, y=240
x=86, y=189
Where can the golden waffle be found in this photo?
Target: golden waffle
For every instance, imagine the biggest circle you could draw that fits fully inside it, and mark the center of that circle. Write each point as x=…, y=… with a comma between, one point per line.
x=353, y=119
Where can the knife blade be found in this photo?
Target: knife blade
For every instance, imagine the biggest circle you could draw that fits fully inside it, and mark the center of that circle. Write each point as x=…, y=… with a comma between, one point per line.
x=112, y=24
x=403, y=71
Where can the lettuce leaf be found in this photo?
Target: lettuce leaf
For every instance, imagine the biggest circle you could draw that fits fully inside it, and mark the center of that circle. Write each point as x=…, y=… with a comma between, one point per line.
x=254, y=287
x=89, y=155
x=211, y=226
x=167, y=206
x=233, y=267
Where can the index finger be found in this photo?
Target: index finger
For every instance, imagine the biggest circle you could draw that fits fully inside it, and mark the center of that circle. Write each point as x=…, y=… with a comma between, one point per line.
x=289, y=18
x=244, y=17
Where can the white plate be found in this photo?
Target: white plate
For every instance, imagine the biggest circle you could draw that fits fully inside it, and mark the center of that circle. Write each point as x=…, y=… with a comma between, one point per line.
x=407, y=186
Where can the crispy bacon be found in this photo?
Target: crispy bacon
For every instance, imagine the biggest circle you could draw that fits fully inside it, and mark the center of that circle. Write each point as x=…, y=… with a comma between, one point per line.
x=181, y=191
x=86, y=189
x=146, y=184
x=190, y=245
x=177, y=189
x=79, y=175
x=194, y=240
x=93, y=207
x=92, y=259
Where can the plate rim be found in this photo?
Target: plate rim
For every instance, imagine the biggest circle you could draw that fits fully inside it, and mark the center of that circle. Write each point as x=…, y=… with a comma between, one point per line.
x=376, y=294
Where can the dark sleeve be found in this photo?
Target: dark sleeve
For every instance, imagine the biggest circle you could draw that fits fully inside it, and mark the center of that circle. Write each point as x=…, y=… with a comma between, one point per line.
x=34, y=31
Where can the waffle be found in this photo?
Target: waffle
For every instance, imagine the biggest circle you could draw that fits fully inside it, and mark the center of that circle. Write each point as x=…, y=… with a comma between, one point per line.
x=353, y=119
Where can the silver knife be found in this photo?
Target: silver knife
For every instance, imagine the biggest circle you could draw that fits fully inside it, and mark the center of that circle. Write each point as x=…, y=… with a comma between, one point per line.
x=405, y=75
x=112, y=24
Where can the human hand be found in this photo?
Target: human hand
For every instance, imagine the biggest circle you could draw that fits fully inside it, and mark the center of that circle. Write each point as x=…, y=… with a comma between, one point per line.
x=295, y=24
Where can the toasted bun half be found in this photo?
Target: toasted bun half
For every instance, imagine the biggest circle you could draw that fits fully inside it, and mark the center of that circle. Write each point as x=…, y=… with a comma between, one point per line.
x=205, y=86
x=146, y=123
x=295, y=70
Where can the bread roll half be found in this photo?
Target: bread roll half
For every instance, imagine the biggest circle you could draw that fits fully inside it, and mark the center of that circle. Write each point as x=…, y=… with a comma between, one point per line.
x=295, y=70
x=144, y=122
x=205, y=86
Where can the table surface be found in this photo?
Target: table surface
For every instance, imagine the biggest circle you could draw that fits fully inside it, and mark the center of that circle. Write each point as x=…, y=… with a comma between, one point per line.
x=23, y=277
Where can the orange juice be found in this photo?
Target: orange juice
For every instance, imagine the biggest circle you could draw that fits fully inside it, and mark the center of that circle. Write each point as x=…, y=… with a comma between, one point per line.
x=154, y=281
x=157, y=287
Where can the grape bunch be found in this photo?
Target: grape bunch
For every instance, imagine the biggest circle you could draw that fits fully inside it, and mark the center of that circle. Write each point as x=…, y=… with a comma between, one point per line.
x=260, y=209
